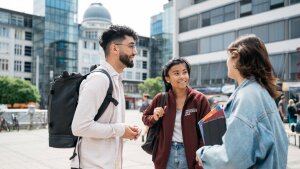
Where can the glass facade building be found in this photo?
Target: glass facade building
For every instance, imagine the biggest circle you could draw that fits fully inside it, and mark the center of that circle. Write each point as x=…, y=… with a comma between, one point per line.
x=55, y=41
x=161, y=39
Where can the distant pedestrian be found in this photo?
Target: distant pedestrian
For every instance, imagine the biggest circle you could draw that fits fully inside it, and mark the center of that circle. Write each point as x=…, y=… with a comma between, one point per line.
x=292, y=111
x=144, y=106
x=282, y=108
x=255, y=135
x=145, y=102
x=179, y=136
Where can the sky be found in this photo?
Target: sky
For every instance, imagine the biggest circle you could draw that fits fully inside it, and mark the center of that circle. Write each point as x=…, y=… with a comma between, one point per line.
x=133, y=13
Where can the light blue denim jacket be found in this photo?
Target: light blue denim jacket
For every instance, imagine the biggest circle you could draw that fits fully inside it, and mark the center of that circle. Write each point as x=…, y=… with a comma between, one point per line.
x=255, y=136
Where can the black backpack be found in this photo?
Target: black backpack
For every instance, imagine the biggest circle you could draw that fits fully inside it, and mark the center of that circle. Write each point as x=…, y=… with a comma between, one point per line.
x=63, y=99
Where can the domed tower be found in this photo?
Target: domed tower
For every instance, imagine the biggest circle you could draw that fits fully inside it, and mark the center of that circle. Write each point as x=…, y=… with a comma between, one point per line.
x=96, y=20
x=96, y=13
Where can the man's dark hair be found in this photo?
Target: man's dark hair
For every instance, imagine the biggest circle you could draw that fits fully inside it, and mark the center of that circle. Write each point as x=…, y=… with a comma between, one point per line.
x=116, y=33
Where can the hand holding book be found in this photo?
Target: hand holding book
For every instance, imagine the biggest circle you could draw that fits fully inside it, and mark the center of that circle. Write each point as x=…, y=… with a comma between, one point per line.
x=213, y=126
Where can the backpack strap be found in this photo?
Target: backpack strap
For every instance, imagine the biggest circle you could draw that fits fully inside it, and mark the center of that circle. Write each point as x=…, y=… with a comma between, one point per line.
x=108, y=98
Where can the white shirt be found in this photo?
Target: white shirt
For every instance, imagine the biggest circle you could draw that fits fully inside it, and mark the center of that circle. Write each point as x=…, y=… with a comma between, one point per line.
x=101, y=145
x=177, y=133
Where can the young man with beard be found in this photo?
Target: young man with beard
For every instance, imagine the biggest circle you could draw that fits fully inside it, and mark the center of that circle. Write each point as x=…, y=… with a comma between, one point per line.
x=102, y=141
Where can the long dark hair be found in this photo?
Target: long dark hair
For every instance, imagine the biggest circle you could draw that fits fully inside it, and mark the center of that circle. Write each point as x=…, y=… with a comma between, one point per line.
x=254, y=61
x=169, y=65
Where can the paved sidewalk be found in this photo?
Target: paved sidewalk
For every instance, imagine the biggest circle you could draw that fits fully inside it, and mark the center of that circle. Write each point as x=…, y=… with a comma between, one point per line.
x=29, y=150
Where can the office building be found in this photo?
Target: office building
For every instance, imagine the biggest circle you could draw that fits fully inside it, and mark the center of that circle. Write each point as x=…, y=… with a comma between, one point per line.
x=40, y=47
x=204, y=29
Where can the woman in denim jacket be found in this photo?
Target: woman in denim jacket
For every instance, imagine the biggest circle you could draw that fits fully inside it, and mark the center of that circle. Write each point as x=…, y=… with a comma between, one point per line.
x=255, y=136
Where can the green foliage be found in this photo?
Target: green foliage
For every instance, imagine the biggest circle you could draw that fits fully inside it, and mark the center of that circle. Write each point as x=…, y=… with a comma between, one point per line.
x=152, y=86
x=15, y=90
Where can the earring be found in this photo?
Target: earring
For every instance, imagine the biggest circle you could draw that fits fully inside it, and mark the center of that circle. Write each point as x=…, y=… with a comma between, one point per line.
x=168, y=81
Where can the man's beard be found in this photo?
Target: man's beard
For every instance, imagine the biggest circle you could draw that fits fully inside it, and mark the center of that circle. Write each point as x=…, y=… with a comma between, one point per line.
x=125, y=60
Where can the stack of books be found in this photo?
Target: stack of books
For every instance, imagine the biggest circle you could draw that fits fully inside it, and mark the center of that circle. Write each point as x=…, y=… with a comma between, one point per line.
x=213, y=126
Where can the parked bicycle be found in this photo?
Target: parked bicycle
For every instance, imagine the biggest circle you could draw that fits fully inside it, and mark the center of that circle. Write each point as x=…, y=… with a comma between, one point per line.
x=15, y=122
x=4, y=124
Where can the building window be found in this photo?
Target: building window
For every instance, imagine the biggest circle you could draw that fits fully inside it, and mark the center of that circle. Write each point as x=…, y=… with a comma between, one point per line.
x=18, y=49
x=216, y=16
x=138, y=76
x=144, y=65
x=198, y=1
x=128, y=75
x=4, y=47
x=144, y=76
x=27, y=67
x=18, y=66
x=28, y=36
x=295, y=65
x=229, y=12
x=85, y=44
x=294, y=28
x=262, y=32
x=145, y=53
x=4, y=32
x=216, y=43
x=17, y=20
x=278, y=63
x=245, y=8
x=18, y=34
x=4, y=64
x=205, y=45
x=228, y=38
x=188, y=48
x=294, y=1
x=28, y=22
x=138, y=64
x=205, y=19
x=276, y=4
x=183, y=25
x=28, y=50
x=260, y=6
x=4, y=17
x=95, y=46
x=276, y=31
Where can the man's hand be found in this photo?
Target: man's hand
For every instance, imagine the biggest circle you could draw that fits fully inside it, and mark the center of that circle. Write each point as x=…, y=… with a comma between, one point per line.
x=131, y=132
x=136, y=129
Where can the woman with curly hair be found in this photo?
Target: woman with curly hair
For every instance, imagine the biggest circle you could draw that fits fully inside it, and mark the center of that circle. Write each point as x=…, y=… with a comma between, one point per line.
x=255, y=136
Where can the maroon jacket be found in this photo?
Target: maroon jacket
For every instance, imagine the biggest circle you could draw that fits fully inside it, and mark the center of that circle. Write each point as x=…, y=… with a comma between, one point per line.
x=195, y=108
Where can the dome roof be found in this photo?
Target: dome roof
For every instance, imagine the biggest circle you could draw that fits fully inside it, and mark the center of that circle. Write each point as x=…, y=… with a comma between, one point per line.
x=97, y=11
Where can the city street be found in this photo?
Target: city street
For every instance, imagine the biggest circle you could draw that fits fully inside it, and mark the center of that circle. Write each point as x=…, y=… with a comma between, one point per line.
x=29, y=149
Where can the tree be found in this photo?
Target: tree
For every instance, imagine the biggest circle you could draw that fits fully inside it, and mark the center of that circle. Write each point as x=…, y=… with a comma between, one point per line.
x=152, y=86
x=15, y=90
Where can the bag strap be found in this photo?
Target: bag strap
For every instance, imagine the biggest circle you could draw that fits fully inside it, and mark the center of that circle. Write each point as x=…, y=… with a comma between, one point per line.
x=164, y=95
x=108, y=98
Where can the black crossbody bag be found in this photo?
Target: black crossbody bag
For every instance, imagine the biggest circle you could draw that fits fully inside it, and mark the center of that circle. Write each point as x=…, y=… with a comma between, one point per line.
x=151, y=142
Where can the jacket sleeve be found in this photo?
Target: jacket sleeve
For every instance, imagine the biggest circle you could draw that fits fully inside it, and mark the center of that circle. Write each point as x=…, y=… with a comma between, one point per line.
x=243, y=144
x=90, y=99
x=147, y=117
